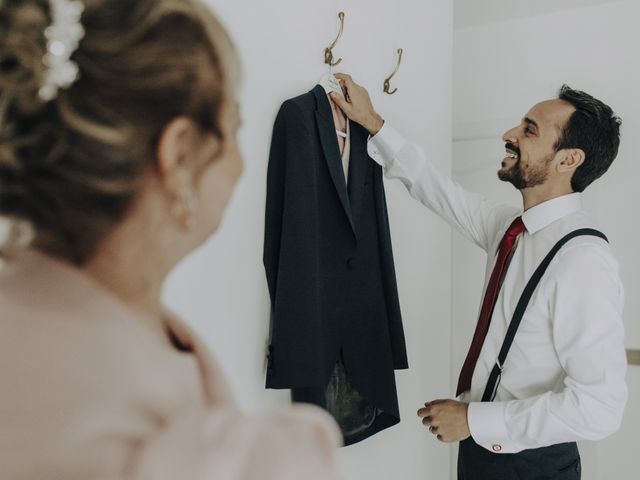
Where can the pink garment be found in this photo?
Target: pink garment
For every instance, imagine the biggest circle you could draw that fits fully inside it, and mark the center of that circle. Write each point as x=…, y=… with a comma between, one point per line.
x=88, y=392
x=344, y=142
x=340, y=120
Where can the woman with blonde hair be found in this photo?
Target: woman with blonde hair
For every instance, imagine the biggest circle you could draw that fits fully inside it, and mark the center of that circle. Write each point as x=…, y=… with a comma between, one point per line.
x=118, y=150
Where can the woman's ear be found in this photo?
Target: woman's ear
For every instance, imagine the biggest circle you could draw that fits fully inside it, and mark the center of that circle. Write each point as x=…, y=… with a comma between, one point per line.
x=572, y=159
x=176, y=146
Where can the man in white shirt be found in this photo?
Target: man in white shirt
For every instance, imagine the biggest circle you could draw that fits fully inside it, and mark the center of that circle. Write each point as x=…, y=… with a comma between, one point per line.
x=526, y=398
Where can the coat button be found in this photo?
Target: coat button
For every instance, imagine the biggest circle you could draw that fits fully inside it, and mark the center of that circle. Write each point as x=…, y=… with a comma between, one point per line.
x=496, y=448
x=350, y=263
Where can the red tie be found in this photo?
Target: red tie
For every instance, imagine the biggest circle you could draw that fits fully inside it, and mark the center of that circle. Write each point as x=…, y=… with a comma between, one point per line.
x=488, y=304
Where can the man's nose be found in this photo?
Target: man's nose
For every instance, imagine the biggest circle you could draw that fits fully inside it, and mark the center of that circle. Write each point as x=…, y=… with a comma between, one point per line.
x=510, y=135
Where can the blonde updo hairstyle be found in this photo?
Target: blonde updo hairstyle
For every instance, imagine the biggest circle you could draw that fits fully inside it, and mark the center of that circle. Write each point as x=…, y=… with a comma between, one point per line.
x=71, y=167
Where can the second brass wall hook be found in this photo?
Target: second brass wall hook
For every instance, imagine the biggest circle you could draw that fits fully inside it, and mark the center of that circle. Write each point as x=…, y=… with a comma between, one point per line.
x=328, y=52
x=387, y=82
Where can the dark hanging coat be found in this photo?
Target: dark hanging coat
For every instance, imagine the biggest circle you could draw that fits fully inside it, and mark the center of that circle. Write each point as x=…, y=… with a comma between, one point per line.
x=330, y=271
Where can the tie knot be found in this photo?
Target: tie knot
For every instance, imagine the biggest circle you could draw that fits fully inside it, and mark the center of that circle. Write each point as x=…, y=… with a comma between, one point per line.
x=516, y=228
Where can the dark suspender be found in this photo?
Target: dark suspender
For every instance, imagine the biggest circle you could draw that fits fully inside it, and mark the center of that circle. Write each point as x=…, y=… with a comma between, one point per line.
x=494, y=377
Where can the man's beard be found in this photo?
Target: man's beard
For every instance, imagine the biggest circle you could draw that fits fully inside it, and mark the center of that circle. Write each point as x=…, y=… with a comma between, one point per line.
x=534, y=176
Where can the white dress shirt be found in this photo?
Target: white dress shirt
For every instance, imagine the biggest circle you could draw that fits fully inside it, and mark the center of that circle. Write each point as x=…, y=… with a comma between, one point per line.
x=564, y=377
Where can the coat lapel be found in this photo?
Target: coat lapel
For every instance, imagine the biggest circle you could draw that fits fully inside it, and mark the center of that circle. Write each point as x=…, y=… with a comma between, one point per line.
x=329, y=141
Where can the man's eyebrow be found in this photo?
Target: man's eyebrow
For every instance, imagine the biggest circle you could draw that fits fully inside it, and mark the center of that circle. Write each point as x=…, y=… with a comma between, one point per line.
x=531, y=121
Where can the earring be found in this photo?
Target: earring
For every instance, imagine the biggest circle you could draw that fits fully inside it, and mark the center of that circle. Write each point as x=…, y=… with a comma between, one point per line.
x=184, y=210
x=191, y=205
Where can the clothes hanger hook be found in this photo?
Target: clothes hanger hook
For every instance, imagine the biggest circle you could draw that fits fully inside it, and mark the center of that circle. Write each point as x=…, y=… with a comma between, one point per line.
x=387, y=82
x=328, y=52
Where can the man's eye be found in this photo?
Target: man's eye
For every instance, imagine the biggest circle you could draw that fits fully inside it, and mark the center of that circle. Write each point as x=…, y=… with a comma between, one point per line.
x=528, y=130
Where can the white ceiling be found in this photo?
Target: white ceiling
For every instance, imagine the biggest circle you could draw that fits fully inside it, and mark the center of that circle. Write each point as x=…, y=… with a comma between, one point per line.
x=477, y=12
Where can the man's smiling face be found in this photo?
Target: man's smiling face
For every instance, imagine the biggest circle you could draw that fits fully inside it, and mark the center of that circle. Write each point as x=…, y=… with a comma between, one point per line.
x=531, y=146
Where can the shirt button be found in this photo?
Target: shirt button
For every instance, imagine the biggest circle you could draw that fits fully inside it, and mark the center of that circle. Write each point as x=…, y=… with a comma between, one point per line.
x=350, y=263
x=496, y=448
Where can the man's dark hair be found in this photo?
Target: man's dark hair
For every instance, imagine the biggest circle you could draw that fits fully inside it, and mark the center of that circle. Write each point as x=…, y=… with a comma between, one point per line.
x=594, y=129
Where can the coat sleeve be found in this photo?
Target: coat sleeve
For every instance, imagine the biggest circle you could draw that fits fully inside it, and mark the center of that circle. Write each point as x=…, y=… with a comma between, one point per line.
x=221, y=443
x=289, y=125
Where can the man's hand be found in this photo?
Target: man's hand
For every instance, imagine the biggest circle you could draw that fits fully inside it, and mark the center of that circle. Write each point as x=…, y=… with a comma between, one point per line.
x=447, y=419
x=357, y=105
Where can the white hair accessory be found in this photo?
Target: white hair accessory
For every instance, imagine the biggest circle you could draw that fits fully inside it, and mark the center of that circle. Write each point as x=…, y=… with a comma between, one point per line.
x=63, y=37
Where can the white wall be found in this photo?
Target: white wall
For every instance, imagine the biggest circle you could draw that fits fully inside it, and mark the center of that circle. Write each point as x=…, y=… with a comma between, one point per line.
x=221, y=290
x=474, y=12
x=501, y=69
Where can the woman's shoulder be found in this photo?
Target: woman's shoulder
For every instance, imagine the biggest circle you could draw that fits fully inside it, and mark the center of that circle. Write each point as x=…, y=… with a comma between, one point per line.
x=58, y=329
x=82, y=378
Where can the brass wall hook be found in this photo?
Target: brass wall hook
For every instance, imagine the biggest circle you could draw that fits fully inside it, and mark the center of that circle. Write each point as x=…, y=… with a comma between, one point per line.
x=328, y=52
x=387, y=82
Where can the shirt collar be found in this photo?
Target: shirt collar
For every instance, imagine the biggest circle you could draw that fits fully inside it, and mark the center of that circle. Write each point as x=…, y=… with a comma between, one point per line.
x=544, y=214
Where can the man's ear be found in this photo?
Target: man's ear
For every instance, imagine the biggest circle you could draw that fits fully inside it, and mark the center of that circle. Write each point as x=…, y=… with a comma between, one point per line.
x=175, y=147
x=571, y=159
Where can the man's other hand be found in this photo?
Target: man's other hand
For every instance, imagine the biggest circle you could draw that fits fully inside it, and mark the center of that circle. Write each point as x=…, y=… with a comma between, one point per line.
x=447, y=419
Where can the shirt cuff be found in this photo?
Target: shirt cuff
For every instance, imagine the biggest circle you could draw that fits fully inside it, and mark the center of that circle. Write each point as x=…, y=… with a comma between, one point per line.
x=385, y=145
x=488, y=428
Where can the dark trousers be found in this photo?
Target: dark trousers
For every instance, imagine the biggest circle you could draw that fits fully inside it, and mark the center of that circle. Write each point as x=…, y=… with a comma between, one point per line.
x=557, y=462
